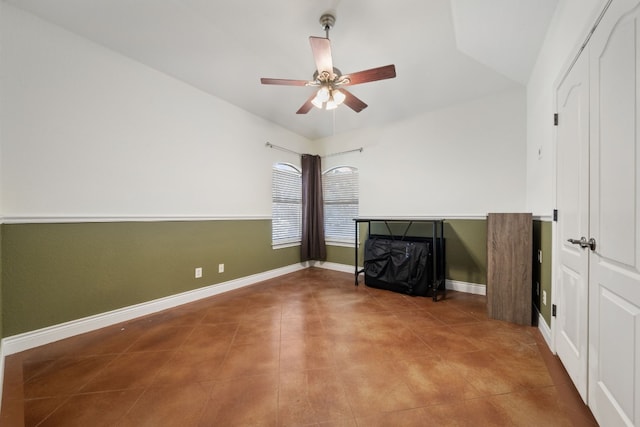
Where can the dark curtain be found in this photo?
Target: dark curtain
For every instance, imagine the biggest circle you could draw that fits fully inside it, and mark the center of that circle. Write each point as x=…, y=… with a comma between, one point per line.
x=313, y=245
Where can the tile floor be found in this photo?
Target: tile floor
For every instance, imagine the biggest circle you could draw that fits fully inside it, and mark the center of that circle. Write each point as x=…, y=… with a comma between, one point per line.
x=305, y=349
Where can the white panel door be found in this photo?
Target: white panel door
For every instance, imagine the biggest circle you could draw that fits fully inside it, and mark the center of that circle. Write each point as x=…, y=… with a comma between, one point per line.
x=571, y=281
x=614, y=266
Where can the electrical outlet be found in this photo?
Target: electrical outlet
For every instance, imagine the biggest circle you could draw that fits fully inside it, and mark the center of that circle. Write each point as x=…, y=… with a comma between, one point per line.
x=198, y=272
x=220, y=268
x=544, y=297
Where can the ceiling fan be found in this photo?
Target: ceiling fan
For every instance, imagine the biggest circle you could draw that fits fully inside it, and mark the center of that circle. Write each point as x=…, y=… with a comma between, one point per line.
x=329, y=80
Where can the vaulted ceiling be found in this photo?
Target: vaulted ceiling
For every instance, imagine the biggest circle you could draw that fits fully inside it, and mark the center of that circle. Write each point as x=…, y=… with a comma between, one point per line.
x=445, y=51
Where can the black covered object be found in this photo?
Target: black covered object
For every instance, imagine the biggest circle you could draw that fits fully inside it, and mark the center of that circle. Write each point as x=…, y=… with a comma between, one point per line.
x=404, y=266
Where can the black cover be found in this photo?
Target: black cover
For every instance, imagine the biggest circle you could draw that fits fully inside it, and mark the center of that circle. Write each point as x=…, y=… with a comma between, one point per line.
x=404, y=266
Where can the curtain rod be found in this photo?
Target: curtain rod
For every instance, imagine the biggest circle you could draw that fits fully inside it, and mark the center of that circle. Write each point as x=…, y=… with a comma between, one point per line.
x=270, y=145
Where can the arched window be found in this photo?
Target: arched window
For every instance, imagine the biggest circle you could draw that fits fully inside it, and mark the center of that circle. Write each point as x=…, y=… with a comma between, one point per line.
x=340, y=192
x=286, y=208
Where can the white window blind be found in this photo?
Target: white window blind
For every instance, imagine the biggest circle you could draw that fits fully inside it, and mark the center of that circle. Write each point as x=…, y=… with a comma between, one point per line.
x=286, y=212
x=341, y=194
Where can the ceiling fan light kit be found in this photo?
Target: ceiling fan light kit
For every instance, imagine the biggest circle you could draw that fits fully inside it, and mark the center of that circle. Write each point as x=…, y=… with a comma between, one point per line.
x=330, y=80
x=328, y=98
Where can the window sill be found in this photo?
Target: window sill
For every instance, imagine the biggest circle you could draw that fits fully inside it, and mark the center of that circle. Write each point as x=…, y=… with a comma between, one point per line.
x=340, y=243
x=285, y=245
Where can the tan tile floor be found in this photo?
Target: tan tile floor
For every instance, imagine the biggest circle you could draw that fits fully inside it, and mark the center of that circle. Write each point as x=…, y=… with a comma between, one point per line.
x=305, y=349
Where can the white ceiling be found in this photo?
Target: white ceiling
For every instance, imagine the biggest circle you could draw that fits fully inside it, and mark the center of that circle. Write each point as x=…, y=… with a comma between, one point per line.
x=445, y=51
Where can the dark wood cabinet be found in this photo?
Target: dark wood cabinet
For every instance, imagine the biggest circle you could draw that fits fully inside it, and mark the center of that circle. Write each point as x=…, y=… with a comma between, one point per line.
x=509, y=264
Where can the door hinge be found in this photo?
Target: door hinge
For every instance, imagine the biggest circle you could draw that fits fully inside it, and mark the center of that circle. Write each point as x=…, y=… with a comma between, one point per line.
x=553, y=310
x=555, y=119
x=555, y=215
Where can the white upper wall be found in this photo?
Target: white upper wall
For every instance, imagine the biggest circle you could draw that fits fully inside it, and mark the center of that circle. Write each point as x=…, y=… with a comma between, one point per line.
x=465, y=160
x=87, y=132
x=568, y=30
x=502, y=34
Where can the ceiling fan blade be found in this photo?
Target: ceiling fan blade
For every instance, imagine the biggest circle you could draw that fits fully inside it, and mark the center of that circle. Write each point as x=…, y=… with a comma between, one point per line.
x=352, y=101
x=380, y=73
x=321, y=48
x=307, y=106
x=285, y=82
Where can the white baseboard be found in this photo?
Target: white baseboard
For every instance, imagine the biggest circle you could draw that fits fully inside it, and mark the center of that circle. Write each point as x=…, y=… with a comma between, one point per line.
x=454, y=285
x=2, y=355
x=545, y=330
x=17, y=343
x=345, y=268
x=470, y=288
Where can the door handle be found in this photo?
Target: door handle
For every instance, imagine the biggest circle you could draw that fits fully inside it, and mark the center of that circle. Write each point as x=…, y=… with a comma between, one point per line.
x=584, y=243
